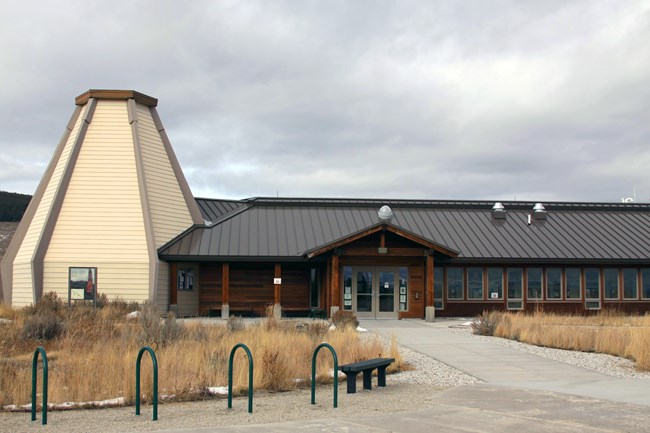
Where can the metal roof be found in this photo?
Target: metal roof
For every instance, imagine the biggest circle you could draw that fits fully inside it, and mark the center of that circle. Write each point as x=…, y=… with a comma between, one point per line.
x=289, y=228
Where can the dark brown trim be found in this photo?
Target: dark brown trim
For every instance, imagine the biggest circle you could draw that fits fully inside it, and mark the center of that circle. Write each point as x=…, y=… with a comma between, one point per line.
x=390, y=252
x=115, y=95
x=7, y=264
x=192, y=206
x=429, y=281
x=225, y=284
x=57, y=202
x=277, y=292
x=173, y=286
x=144, y=201
x=335, y=288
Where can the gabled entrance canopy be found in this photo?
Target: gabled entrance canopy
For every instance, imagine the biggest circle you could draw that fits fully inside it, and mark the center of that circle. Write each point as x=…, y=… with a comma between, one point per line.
x=383, y=227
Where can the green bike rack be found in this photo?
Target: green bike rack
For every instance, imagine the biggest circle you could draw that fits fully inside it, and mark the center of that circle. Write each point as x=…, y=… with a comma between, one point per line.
x=250, y=376
x=313, y=373
x=40, y=350
x=155, y=381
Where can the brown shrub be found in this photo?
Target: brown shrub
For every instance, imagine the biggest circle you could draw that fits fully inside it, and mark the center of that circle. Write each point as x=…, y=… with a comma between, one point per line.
x=343, y=319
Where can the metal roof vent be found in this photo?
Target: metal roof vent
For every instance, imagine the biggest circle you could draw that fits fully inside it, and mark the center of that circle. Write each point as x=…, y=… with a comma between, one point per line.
x=498, y=211
x=385, y=213
x=539, y=211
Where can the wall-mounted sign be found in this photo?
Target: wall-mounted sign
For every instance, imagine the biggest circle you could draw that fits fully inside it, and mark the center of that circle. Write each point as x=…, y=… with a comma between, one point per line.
x=277, y=280
x=494, y=295
x=82, y=284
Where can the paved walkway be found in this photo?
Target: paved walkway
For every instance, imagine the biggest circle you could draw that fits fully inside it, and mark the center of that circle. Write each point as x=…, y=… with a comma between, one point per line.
x=502, y=366
x=522, y=393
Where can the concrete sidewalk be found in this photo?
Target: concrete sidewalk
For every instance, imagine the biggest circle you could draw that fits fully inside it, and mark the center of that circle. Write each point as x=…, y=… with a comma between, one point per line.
x=502, y=366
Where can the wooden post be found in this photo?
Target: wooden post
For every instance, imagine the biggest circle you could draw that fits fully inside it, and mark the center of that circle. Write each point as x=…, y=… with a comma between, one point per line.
x=173, y=287
x=430, y=281
x=225, y=290
x=328, y=284
x=382, y=239
x=336, y=295
x=276, y=287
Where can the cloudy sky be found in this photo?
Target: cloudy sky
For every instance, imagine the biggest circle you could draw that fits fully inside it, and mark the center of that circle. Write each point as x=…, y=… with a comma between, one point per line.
x=538, y=100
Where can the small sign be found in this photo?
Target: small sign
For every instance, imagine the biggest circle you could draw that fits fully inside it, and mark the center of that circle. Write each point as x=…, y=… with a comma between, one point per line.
x=402, y=298
x=347, y=296
x=347, y=303
x=494, y=295
x=402, y=290
x=348, y=289
x=277, y=280
x=76, y=294
x=386, y=285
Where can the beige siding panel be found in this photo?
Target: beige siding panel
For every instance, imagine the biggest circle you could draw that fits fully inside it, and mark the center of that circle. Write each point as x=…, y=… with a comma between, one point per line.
x=101, y=219
x=162, y=291
x=127, y=280
x=169, y=213
x=188, y=300
x=23, y=290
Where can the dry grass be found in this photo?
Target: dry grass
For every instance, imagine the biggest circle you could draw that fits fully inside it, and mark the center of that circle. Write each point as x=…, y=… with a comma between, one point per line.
x=608, y=332
x=95, y=357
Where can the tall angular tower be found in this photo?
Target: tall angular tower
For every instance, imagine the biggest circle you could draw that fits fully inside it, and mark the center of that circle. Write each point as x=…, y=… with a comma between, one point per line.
x=111, y=196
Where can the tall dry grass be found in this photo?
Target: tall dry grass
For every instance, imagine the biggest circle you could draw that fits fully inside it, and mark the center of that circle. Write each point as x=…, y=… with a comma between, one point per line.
x=608, y=332
x=95, y=357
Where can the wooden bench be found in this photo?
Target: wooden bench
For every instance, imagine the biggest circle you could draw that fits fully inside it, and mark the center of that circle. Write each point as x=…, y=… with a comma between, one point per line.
x=366, y=367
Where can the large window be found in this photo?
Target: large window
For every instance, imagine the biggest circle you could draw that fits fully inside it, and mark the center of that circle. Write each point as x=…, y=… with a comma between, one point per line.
x=553, y=283
x=573, y=283
x=314, y=287
x=475, y=283
x=534, y=283
x=630, y=283
x=592, y=288
x=495, y=283
x=515, y=288
x=610, y=279
x=455, y=283
x=438, y=280
x=347, y=288
x=645, y=283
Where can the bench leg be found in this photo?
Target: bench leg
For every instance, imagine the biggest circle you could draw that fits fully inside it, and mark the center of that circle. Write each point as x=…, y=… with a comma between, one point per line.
x=367, y=378
x=352, y=382
x=381, y=376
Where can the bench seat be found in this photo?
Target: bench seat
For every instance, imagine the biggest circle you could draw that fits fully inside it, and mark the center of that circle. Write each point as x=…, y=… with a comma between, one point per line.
x=366, y=367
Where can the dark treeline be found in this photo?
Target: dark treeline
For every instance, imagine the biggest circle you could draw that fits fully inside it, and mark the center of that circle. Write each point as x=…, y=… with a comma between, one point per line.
x=13, y=205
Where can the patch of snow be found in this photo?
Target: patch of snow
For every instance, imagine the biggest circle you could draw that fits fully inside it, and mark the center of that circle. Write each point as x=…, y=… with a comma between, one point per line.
x=341, y=374
x=360, y=329
x=466, y=324
x=133, y=315
x=111, y=402
x=299, y=380
x=217, y=390
x=332, y=327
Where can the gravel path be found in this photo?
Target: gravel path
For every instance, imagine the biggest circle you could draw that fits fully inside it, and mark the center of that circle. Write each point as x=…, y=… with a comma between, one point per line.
x=405, y=391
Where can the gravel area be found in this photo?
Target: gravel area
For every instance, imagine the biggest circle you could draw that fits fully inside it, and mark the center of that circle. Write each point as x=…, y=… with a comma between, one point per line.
x=599, y=362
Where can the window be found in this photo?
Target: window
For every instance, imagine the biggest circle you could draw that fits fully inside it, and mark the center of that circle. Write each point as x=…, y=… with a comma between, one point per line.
x=645, y=283
x=185, y=279
x=515, y=288
x=592, y=289
x=610, y=279
x=534, y=283
x=573, y=283
x=403, y=288
x=475, y=283
x=553, y=283
x=314, y=287
x=455, y=283
x=347, y=288
x=630, y=284
x=438, y=280
x=82, y=284
x=495, y=283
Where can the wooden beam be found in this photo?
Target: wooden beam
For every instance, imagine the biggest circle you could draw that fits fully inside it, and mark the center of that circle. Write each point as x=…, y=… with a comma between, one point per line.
x=173, y=287
x=225, y=284
x=382, y=239
x=391, y=252
x=276, y=287
x=345, y=241
x=336, y=295
x=430, y=302
x=421, y=241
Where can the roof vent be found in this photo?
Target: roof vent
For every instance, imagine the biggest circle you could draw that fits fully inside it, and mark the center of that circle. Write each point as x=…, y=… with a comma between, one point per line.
x=539, y=211
x=498, y=211
x=385, y=213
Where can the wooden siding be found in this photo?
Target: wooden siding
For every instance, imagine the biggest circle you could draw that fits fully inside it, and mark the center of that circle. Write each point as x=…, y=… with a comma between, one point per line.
x=209, y=287
x=295, y=289
x=22, y=285
x=101, y=222
x=188, y=300
x=416, y=290
x=162, y=286
x=251, y=288
x=169, y=213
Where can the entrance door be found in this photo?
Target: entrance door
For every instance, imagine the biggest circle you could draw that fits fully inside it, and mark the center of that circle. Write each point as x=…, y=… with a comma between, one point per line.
x=374, y=292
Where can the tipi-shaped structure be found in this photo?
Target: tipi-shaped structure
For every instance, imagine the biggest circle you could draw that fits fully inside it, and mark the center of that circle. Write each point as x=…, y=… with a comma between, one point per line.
x=111, y=196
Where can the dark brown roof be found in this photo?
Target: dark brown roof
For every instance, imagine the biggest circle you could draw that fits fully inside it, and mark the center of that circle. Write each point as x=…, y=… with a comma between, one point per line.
x=116, y=95
x=266, y=228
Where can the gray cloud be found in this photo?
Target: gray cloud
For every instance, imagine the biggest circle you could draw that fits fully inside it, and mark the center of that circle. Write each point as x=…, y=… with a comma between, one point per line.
x=469, y=100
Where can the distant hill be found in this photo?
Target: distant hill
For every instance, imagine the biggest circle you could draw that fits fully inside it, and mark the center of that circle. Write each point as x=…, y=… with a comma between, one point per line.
x=13, y=205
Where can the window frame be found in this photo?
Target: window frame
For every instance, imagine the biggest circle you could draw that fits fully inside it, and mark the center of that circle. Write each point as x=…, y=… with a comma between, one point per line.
x=461, y=273
x=489, y=288
x=618, y=284
x=566, y=284
x=482, y=282
x=547, y=286
x=636, y=283
x=541, y=283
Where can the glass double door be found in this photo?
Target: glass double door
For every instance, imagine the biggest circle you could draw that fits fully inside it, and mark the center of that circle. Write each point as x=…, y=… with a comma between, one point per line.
x=374, y=292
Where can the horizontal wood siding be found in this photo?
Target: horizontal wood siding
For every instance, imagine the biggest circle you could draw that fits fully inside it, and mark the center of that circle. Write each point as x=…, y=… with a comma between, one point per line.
x=209, y=287
x=162, y=286
x=416, y=291
x=128, y=280
x=169, y=213
x=188, y=300
x=22, y=286
x=101, y=217
x=251, y=288
x=295, y=288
